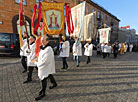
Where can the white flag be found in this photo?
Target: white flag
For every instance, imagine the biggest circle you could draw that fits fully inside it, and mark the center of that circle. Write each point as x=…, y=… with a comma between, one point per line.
x=104, y=35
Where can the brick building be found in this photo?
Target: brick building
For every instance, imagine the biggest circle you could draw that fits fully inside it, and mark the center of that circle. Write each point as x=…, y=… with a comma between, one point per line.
x=9, y=15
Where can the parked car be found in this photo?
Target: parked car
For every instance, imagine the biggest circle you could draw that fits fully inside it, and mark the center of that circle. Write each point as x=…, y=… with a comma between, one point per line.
x=9, y=44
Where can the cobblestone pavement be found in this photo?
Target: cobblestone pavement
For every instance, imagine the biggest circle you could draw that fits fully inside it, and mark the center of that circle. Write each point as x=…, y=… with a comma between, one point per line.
x=103, y=80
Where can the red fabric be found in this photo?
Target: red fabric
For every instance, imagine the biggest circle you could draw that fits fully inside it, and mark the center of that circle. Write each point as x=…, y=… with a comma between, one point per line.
x=69, y=20
x=39, y=19
x=21, y=13
x=34, y=13
x=42, y=26
x=126, y=27
x=37, y=46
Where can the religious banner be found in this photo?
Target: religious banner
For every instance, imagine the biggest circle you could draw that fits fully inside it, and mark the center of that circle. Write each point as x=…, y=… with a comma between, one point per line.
x=89, y=27
x=53, y=16
x=104, y=35
x=78, y=13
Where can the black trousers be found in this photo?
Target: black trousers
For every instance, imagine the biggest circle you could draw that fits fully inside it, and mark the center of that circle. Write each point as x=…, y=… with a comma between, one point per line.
x=30, y=71
x=115, y=55
x=65, y=65
x=104, y=55
x=24, y=62
x=44, y=82
x=88, y=59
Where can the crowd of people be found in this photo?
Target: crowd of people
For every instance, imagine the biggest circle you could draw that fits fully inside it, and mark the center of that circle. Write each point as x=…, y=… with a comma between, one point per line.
x=41, y=56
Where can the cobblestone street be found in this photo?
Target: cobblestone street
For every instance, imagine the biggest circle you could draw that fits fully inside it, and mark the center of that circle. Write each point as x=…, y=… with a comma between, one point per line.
x=103, y=80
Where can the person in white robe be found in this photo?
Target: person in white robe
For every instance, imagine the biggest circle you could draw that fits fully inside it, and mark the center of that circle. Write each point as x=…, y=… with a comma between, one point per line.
x=77, y=51
x=46, y=66
x=105, y=50
x=30, y=56
x=88, y=50
x=23, y=53
x=130, y=47
x=64, y=51
x=109, y=49
x=126, y=47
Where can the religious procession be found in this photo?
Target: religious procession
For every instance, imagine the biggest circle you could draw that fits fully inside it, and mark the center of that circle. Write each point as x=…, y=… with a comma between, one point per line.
x=37, y=52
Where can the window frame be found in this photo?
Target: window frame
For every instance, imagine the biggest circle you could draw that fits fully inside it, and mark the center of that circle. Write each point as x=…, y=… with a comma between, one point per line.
x=24, y=2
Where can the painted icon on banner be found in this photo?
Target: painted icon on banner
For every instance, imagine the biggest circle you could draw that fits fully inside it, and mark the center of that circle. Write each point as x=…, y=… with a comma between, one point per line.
x=53, y=19
x=104, y=34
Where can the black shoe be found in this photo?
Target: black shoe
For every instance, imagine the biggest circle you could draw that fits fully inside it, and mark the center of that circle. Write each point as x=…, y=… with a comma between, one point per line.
x=51, y=87
x=77, y=65
x=39, y=97
x=27, y=81
x=24, y=71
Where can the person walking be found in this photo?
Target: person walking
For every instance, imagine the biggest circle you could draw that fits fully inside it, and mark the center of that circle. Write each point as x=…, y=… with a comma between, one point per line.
x=64, y=51
x=30, y=55
x=115, y=50
x=130, y=47
x=46, y=66
x=23, y=53
x=77, y=51
x=88, y=50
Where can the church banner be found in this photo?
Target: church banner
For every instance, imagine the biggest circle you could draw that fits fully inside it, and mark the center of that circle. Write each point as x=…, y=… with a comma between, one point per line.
x=104, y=35
x=53, y=16
x=78, y=13
x=89, y=27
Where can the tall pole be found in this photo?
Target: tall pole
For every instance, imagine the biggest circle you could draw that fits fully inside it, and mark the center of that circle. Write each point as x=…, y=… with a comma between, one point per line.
x=26, y=30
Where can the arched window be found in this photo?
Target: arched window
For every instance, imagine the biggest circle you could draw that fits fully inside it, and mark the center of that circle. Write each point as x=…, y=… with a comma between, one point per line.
x=23, y=28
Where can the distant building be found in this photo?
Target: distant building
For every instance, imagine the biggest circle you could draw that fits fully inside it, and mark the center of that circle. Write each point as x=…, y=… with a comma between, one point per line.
x=127, y=35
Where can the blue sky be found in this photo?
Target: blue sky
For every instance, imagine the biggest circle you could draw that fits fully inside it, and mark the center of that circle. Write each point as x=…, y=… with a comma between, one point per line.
x=125, y=10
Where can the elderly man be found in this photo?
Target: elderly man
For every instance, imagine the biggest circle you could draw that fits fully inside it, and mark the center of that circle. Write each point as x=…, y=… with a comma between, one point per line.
x=46, y=66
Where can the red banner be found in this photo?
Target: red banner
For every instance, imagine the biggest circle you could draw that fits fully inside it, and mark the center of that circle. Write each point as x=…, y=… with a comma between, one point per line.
x=69, y=20
x=21, y=13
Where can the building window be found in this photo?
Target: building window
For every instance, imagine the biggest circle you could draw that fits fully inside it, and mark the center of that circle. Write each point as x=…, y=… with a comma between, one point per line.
x=87, y=9
x=93, y=10
x=109, y=21
x=79, y=1
x=101, y=15
x=106, y=17
x=23, y=28
x=98, y=14
x=24, y=2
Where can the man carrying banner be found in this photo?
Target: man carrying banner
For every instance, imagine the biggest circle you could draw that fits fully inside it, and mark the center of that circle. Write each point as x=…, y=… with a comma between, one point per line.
x=23, y=53
x=46, y=66
x=30, y=55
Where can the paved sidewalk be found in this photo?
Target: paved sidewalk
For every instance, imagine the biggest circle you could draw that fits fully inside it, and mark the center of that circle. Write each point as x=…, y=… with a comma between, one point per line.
x=103, y=80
